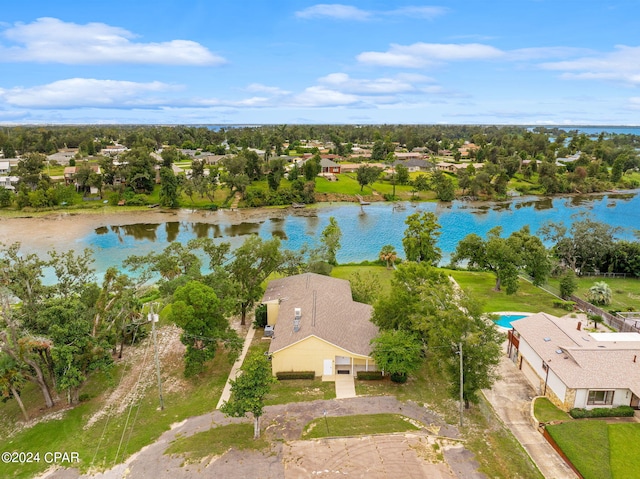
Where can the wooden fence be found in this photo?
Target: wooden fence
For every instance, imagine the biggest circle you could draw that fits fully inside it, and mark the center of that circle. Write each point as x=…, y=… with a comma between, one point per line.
x=622, y=325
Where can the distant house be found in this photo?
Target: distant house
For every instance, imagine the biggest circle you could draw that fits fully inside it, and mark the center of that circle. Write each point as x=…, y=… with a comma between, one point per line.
x=5, y=167
x=9, y=182
x=329, y=167
x=415, y=164
x=575, y=368
x=63, y=157
x=318, y=326
x=454, y=167
x=113, y=150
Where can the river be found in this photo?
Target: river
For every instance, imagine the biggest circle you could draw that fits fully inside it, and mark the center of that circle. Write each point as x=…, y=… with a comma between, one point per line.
x=365, y=229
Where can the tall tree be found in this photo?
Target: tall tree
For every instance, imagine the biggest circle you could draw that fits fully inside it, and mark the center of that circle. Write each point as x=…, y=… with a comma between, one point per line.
x=249, y=389
x=420, y=238
x=388, y=254
x=168, y=188
x=366, y=175
x=196, y=309
x=254, y=261
x=330, y=239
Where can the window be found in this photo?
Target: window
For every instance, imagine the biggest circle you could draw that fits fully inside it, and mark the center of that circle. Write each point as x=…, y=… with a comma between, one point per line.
x=600, y=397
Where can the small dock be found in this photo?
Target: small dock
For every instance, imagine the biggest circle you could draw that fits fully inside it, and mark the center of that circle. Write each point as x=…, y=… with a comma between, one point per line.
x=362, y=200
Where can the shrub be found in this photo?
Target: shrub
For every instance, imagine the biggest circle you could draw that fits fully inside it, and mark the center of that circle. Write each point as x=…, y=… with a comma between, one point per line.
x=399, y=378
x=261, y=316
x=566, y=305
x=284, y=375
x=620, y=411
x=369, y=375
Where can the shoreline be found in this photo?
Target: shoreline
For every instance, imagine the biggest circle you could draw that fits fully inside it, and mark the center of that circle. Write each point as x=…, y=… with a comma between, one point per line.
x=60, y=229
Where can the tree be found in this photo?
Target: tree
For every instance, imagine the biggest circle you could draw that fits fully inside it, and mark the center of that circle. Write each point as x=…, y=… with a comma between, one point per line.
x=600, y=294
x=402, y=174
x=168, y=188
x=587, y=246
x=480, y=340
x=249, y=389
x=196, y=309
x=330, y=239
x=568, y=284
x=388, y=254
x=420, y=237
x=11, y=381
x=367, y=175
x=443, y=186
x=312, y=167
x=398, y=353
x=254, y=261
x=364, y=289
x=505, y=257
x=140, y=170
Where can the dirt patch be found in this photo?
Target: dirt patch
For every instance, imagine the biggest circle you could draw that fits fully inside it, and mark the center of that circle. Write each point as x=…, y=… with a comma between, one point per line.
x=139, y=373
x=371, y=457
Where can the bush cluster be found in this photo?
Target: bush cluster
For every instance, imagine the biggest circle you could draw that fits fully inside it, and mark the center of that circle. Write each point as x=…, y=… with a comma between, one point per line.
x=369, y=375
x=284, y=375
x=620, y=411
x=566, y=305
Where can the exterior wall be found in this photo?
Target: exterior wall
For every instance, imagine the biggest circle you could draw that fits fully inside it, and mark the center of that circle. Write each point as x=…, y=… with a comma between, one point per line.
x=309, y=355
x=621, y=397
x=556, y=389
x=272, y=312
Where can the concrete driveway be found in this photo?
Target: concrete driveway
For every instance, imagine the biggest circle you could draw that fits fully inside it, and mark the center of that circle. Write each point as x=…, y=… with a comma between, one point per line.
x=511, y=398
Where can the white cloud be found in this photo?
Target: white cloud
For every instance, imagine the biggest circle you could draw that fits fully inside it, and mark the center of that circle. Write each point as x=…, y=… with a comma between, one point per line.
x=344, y=83
x=418, y=12
x=272, y=90
x=50, y=40
x=422, y=54
x=335, y=10
x=319, y=96
x=339, y=11
x=84, y=92
x=622, y=65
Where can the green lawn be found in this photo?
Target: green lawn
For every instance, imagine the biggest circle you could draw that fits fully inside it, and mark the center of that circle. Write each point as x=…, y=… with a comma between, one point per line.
x=546, y=411
x=586, y=444
x=216, y=441
x=383, y=274
x=346, y=184
x=623, y=440
x=528, y=298
x=358, y=425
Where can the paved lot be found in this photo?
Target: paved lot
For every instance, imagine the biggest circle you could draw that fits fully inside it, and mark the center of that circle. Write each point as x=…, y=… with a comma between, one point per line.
x=409, y=456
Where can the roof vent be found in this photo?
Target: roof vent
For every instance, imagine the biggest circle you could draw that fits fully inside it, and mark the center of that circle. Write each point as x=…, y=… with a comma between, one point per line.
x=296, y=319
x=559, y=351
x=546, y=340
x=297, y=313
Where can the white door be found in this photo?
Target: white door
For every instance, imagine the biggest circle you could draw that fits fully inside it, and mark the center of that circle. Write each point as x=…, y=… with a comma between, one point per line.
x=328, y=367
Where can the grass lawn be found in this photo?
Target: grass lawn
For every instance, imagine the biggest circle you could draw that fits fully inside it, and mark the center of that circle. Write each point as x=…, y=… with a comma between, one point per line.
x=546, y=411
x=346, y=184
x=216, y=441
x=586, y=444
x=358, y=425
x=113, y=438
x=623, y=439
x=528, y=298
x=383, y=274
x=625, y=291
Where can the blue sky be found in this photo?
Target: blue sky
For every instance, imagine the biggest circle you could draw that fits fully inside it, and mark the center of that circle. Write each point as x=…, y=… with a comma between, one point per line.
x=256, y=61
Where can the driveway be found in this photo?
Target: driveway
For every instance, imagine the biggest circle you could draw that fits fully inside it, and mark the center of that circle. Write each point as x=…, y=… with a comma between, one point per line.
x=511, y=398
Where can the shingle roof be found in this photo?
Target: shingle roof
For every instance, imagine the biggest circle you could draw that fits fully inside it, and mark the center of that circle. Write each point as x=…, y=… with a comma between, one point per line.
x=328, y=312
x=579, y=359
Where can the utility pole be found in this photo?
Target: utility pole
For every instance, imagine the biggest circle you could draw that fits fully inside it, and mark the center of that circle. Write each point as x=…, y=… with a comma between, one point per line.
x=461, y=383
x=154, y=319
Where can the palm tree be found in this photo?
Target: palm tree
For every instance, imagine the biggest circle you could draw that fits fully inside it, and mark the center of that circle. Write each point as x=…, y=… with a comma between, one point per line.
x=600, y=293
x=388, y=254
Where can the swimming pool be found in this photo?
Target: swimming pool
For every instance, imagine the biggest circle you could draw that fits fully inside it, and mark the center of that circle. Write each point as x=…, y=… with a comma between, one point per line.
x=505, y=319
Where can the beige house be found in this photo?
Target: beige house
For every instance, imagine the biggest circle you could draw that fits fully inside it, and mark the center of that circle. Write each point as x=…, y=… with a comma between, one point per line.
x=576, y=368
x=318, y=326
